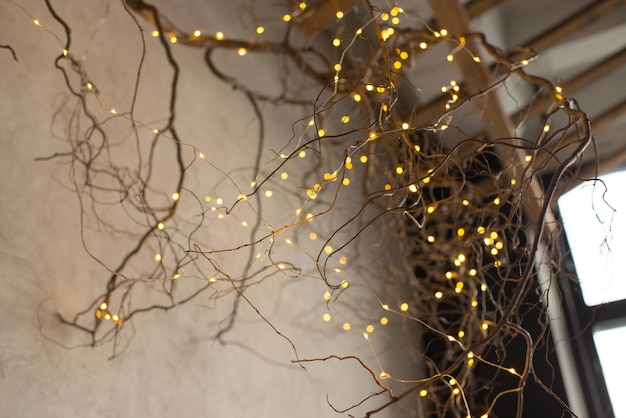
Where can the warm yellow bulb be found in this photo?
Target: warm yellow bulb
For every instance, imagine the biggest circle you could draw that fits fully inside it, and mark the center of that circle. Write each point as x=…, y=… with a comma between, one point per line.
x=369, y=328
x=326, y=317
x=423, y=393
x=197, y=33
x=423, y=45
x=219, y=36
x=399, y=170
x=384, y=320
x=404, y=307
x=103, y=306
x=339, y=14
x=155, y=33
x=347, y=326
x=287, y=17
x=242, y=51
x=175, y=196
x=160, y=226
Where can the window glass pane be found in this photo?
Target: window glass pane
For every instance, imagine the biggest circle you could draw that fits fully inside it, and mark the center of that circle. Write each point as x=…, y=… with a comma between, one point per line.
x=594, y=217
x=610, y=346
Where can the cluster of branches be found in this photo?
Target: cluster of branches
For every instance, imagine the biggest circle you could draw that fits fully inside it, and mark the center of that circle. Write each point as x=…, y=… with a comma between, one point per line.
x=453, y=206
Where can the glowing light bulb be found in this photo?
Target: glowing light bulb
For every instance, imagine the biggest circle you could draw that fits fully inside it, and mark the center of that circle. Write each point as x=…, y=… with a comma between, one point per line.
x=345, y=284
x=155, y=33
x=369, y=328
x=326, y=317
x=157, y=257
x=346, y=326
x=423, y=393
x=197, y=33
x=260, y=29
x=339, y=14
x=287, y=18
x=384, y=375
x=103, y=306
x=242, y=51
x=405, y=126
x=404, y=307
x=423, y=45
x=160, y=226
x=173, y=39
x=384, y=320
x=219, y=36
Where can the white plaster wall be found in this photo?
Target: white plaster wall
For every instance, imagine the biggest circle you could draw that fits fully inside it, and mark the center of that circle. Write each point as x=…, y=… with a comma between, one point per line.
x=172, y=366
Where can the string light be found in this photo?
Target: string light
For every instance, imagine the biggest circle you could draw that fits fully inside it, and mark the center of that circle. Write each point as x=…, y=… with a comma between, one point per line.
x=408, y=181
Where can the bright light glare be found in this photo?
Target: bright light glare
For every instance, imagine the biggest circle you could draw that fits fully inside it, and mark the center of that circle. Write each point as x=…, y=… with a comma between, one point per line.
x=611, y=356
x=595, y=225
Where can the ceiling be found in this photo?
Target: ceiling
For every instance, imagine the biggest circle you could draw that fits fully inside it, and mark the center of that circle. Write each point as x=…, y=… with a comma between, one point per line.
x=581, y=46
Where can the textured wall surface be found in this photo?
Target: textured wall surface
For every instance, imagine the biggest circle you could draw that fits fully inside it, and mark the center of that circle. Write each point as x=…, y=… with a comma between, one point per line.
x=172, y=366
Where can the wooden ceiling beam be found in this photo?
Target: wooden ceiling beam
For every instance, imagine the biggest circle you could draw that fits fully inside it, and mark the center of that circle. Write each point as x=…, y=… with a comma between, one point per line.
x=451, y=15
